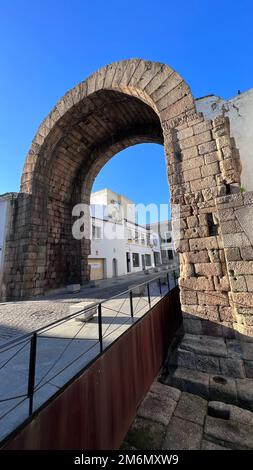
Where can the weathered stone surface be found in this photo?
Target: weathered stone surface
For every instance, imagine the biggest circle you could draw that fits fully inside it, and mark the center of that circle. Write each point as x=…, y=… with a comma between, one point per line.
x=208, y=445
x=197, y=283
x=182, y=435
x=246, y=253
x=208, y=269
x=233, y=254
x=208, y=364
x=241, y=267
x=217, y=409
x=244, y=216
x=188, y=297
x=192, y=325
x=248, y=369
x=191, y=381
x=204, y=345
x=230, y=226
x=243, y=299
x=249, y=282
x=157, y=405
x=245, y=393
x=203, y=243
x=209, y=312
x=238, y=283
x=191, y=407
x=226, y=313
x=223, y=389
x=232, y=367
x=184, y=359
x=207, y=147
x=145, y=434
x=213, y=298
x=240, y=415
x=196, y=256
x=235, y=240
x=237, y=435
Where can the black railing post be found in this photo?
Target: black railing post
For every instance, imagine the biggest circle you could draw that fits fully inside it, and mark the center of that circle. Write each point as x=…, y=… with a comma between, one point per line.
x=175, y=277
x=148, y=289
x=100, y=332
x=160, y=286
x=32, y=368
x=131, y=303
x=168, y=281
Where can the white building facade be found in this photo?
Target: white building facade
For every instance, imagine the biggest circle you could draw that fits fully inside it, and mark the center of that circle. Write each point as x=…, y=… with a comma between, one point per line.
x=119, y=245
x=239, y=110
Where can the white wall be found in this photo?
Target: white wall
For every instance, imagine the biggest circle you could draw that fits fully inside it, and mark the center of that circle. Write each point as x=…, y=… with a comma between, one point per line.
x=109, y=198
x=141, y=250
x=240, y=112
x=110, y=247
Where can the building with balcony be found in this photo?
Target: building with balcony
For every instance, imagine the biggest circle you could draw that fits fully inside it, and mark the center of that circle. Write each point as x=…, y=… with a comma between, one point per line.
x=119, y=245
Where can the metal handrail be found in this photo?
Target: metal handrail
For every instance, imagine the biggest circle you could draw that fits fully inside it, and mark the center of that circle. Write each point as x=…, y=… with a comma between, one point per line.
x=73, y=315
x=31, y=386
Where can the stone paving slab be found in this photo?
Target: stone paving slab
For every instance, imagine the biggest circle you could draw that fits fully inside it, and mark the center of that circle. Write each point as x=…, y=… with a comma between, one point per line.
x=191, y=407
x=146, y=434
x=231, y=433
x=195, y=423
x=158, y=405
x=182, y=435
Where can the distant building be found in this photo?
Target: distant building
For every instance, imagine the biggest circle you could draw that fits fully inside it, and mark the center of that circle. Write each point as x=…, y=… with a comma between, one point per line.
x=119, y=245
x=167, y=250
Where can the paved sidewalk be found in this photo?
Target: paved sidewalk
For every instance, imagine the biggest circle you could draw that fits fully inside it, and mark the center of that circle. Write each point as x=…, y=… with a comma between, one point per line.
x=18, y=318
x=62, y=351
x=173, y=420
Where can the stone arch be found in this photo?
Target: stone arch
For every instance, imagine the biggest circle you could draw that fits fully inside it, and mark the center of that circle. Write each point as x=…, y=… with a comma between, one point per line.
x=122, y=104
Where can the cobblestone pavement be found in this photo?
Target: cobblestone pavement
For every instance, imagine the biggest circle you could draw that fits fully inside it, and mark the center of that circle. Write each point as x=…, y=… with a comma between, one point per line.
x=173, y=420
x=18, y=318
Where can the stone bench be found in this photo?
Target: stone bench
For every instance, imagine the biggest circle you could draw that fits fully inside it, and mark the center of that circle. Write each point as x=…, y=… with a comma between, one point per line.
x=88, y=314
x=137, y=290
x=72, y=288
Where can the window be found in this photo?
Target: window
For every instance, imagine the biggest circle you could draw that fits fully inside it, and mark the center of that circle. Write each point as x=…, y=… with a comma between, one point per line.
x=156, y=258
x=167, y=237
x=96, y=232
x=142, y=239
x=148, y=260
x=136, y=260
x=129, y=234
x=136, y=236
x=170, y=254
x=155, y=241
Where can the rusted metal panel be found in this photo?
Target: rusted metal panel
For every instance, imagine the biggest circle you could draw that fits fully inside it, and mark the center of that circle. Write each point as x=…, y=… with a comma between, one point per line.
x=97, y=408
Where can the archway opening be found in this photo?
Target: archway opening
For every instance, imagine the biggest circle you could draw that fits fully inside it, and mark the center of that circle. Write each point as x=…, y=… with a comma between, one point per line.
x=98, y=128
x=129, y=197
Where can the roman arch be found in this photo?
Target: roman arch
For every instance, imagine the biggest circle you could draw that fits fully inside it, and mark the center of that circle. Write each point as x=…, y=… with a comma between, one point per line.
x=122, y=104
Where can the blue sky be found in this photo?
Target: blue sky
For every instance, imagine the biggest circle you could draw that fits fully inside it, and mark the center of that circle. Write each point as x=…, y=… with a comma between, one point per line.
x=47, y=47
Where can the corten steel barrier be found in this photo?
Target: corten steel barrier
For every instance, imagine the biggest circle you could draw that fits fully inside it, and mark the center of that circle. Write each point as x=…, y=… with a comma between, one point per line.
x=95, y=410
x=162, y=284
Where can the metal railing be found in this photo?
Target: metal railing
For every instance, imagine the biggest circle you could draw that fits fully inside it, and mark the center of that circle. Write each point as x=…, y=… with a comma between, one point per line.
x=101, y=324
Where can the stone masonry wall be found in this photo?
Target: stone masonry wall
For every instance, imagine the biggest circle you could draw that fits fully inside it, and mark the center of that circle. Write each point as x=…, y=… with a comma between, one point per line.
x=235, y=214
x=203, y=164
